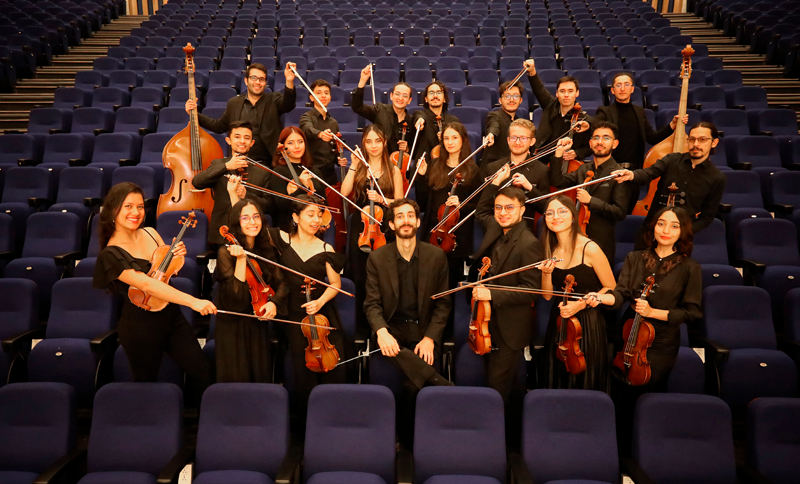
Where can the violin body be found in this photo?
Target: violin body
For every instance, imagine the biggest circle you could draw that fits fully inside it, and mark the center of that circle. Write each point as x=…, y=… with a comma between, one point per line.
x=479, y=339
x=633, y=361
x=569, y=348
x=321, y=355
x=583, y=210
x=145, y=300
x=371, y=238
x=260, y=292
x=441, y=237
x=339, y=219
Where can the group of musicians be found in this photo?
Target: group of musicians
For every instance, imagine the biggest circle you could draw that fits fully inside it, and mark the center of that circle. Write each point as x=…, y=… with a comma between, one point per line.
x=404, y=277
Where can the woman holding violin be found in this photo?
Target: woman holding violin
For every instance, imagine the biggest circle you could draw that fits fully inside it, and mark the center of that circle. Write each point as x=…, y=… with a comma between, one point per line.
x=126, y=256
x=440, y=194
x=244, y=353
x=586, y=266
x=301, y=250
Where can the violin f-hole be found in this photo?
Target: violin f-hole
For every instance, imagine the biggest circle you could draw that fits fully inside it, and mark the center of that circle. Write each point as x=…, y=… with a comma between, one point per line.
x=180, y=191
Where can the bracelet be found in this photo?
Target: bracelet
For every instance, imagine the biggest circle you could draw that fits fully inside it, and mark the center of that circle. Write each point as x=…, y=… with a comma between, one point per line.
x=351, y=169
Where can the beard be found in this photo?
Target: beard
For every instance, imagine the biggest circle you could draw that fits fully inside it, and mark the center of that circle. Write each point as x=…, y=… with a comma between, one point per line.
x=411, y=235
x=601, y=152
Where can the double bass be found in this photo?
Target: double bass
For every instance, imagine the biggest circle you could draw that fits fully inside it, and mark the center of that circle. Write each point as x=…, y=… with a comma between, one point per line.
x=321, y=355
x=163, y=265
x=639, y=334
x=371, y=238
x=260, y=292
x=583, y=210
x=480, y=341
x=448, y=218
x=676, y=143
x=569, y=337
x=188, y=153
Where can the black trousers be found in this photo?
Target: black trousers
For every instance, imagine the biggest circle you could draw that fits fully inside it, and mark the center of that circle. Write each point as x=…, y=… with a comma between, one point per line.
x=501, y=363
x=408, y=335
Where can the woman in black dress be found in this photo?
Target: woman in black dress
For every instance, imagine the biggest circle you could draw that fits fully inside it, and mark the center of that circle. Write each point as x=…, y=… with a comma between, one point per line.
x=243, y=344
x=303, y=251
x=126, y=249
x=433, y=188
x=585, y=261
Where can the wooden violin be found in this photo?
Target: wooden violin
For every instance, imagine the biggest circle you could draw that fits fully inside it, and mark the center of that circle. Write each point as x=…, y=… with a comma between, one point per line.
x=572, y=165
x=448, y=218
x=185, y=155
x=401, y=158
x=163, y=265
x=306, y=187
x=479, y=338
x=569, y=337
x=436, y=149
x=676, y=143
x=335, y=200
x=321, y=355
x=639, y=334
x=260, y=292
x=583, y=209
x=371, y=238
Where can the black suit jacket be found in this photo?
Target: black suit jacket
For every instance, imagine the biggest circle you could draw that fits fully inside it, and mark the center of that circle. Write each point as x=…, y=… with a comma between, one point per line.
x=384, y=116
x=536, y=173
x=213, y=178
x=646, y=132
x=552, y=109
x=511, y=311
x=383, y=289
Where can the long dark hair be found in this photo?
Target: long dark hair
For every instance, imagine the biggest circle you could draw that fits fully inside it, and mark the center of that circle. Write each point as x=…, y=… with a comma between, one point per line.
x=261, y=245
x=306, y=159
x=386, y=180
x=549, y=237
x=112, y=204
x=683, y=246
x=438, y=177
x=298, y=208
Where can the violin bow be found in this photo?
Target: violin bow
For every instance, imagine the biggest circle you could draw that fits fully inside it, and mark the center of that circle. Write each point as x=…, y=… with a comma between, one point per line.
x=261, y=318
x=485, y=142
x=572, y=295
x=508, y=273
x=288, y=197
x=300, y=186
x=372, y=82
x=340, y=194
x=256, y=256
x=416, y=171
x=519, y=76
x=351, y=150
x=300, y=78
x=559, y=192
x=356, y=357
x=413, y=145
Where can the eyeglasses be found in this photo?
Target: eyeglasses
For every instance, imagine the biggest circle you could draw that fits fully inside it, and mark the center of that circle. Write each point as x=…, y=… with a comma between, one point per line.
x=435, y=93
x=702, y=140
x=511, y=97
x=516, y=139
x=401, y=95
x=620, y=85
x=562, y=212
x=604, y=138
x=245, y=219
x=505, y=208
x=257, y=79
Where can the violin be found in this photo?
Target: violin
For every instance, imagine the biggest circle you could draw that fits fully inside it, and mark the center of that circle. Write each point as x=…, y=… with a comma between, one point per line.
x=309, y=188
x=163, y=265
x=479, y=338
x=436, y=149
x=569, y=336
x=572, y=165
x=639, y=334
x=448, y=217
x=260, y=292
x=401, y=158
x=371, y=238
x=583, y=210
x=673, y=192
x=335, y=200
x=321, y=355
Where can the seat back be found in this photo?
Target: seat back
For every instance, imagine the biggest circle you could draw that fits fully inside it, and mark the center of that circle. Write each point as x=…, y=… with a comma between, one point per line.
x=738, y=317
x=769, y=241
x=78, y=310
x=78, y=182
x=49, y=234
x=19, y=306
x=709, y=244
x=195, y=239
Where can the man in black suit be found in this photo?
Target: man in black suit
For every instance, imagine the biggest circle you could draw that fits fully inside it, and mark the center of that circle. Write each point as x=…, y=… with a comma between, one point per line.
x=401, y=278
x=389, y=117
x=436, y=101
x=262, y=110
x=510, y=245
x=499, y=120
x=240, y=138
x=607, y=201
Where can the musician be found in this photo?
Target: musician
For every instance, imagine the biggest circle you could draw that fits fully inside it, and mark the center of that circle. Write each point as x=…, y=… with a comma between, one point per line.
x=243, y=345
x=433, y=191
x=498, y=121
x=557, y=114
x=294, y=143
x=240, y=139
x=532, y=178
x=318, y=126
x=583, y=260
x=389, y=117
x=262, y=110
x=699, y=182
x=607, y=201
x=437, y=99
x=633, y=127
x=510, y=245
x=126, y=252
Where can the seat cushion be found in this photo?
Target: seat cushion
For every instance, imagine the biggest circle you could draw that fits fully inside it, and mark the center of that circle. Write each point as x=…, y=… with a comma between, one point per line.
x=345, y=478
x=461, y=480
x=17, y=477
x=229, y=477
x=118, y=478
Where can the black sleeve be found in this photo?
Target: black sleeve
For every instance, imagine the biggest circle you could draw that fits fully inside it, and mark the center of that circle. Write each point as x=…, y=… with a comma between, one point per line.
x=617, y=207
x=208, y=177
x=111, y=262
x=217, y=125
x=628, y=280
x=710, y=206
x=530, y=279
x=367, y=112
x=688, y=309
x=233, y=293
x=485, y=211
x=287, y=101
x=654, y=137
x=542, y=94
x=373, y=303
x=559, y=179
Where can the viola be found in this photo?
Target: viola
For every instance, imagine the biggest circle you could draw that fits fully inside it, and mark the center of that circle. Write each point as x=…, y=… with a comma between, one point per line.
x=260, y=292
x=569, y=337
x=448, y=217
x=185, y=155
x=335, y=200
x=308, y=188
x=163, y=265
x=676, y=143
x=436, y=149
x=401, y=158
x=639, y=334
x=321, y=355
x=583, y=210
x=371, y=238
x=479, y=338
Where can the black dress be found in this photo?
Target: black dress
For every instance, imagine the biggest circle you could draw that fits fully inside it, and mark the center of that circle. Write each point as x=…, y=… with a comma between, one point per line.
x=146, y=335
x=243, y=349
x=593, y=343
x=283, y=212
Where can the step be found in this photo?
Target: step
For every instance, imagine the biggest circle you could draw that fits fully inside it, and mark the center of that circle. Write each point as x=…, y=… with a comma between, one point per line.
x=59, y=74
x=10, y=121
x=43, y=88
x=6, y=106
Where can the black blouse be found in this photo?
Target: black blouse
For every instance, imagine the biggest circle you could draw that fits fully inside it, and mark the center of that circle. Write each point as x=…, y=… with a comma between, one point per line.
x=234, y=295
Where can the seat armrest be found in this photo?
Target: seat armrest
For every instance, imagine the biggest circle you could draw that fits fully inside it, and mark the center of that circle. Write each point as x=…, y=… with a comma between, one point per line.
x=28, y=162
x=697, y=106
x=7, y=255
x=780, y=208
x=290, y=467
x=750, y=265
x=99, y=131
x=725, y=208
x=721, y=134
x=12, y=131
x=654, y=107
x=92, y=202
x=57, y=131
x=404, y=466
x=519, y=469
x=68, y=468
x=22, y=342
x=714, y=350
x=739, y=106
x=751, y=475
x=77, y=162
x=788, y=346
x=634, y=470
x=145, y=131
x=68, y=258
x=172, y=471
x=202, y=259
x=39, y=202
x=104, y=343
x=742, y=165
x=127, y=162
x=765, y=133
x=793, y=166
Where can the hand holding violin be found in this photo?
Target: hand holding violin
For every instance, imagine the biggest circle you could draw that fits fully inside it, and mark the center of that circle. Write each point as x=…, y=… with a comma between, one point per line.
x=481, y=293
x=236, y=162
x=582, y=126
x=452, y=201
x=179, y=249
x=237, y=251
x=502, y=175
x=583, y=196
x=313, y=307
x=571, y=308
x=374, y=196
x=402, y=145
x=643, y=308
x=342, y=162
x=270, y=310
